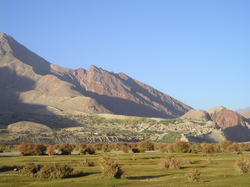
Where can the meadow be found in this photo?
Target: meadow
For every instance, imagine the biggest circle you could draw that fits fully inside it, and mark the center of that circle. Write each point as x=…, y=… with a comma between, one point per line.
x=140, y=169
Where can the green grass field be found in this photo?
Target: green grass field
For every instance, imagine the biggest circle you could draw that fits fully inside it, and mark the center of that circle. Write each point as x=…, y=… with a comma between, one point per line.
x=144, y=171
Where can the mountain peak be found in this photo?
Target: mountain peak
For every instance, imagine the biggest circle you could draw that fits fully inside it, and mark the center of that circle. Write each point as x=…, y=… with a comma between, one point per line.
x=5, y=37
x=51, y=85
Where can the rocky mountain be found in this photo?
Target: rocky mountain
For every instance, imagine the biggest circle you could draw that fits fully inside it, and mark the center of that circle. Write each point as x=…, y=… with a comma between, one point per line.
x=233, y=124
x=240, y=111
x=30, y=83
x=229, y=125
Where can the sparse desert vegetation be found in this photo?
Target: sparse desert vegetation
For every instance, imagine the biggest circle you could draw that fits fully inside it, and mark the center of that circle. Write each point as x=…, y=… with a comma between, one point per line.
x=178, y=166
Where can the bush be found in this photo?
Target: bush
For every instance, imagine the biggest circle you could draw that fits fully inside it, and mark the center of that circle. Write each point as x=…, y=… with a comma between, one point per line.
x=39, y=149
x=232, y=148
x=87, y=151
x=174, y=163
x=50, y=171
x=170, y=148
x=31, y=149
x=55, y=171
x=242, y=165
x=31, y=169
x=209, y=160
x=50, y=150
x=98, y=146
x=165, y=162
x=145, y=145
x=110, y=166
x=181, y=146
x=207, y=148
x=124, y=148
x=193, y=175
x=169, y=162
x=86, y=162
x=66, y=149
x=224, y=144
x=188, y=161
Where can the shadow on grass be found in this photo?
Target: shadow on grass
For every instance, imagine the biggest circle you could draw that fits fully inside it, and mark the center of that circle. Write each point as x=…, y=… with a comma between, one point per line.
x=81, y=174
x=145, y=177
x=186, y=167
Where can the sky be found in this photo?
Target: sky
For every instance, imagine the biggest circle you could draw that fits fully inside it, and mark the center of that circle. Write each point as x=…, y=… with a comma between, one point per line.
x=196, y=51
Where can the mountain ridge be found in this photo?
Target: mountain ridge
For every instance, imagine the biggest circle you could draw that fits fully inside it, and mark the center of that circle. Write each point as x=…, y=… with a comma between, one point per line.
x=34, y=81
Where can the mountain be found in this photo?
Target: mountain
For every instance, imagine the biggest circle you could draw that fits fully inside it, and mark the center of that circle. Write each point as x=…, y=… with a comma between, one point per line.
x=197, y=114
x=240, y=111
x=246, y=114
x=30, y=83
x=234, y=126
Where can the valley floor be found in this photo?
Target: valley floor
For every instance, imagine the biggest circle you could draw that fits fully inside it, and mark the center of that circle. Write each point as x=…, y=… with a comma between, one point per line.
x=141, y=169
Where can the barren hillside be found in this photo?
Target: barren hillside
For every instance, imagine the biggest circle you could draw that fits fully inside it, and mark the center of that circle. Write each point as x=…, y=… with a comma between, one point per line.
x=30, y=83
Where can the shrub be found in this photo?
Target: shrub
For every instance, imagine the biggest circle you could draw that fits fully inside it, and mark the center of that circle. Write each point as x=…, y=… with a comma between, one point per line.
x=124, y=148
x=193, y=148
x=66, y=149
x=98, y=146
x=110, y=166
x=31, y=149
x=242, y=165
x=193, y=175
x=86, y=162
x=31, y=169
x=207, y=148
x=165, y=162
x=145, y=145
x=174, y=163
x=169, y=162
x=118, y=145
x=88, y=151
x=170, y=148
x=105, y=148
x=38, y=149
x=82, y=146
x=50, y=171
x=188, y=161
x=55, y=171
x=181, y=146
x=224, y=144
x=232, y=148
x=242, y=147
x=209, y=160
x=50, y=150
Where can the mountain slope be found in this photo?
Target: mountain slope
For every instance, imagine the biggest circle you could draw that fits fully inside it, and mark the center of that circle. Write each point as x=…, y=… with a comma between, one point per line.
x=246, y=114
x=28, y=82
x=241, y=111
x=233, y=124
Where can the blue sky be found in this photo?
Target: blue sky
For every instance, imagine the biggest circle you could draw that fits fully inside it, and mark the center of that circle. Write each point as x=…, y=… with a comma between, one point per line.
x=195, y=51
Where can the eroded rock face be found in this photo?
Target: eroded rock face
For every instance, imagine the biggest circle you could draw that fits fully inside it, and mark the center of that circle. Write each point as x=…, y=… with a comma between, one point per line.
x=227, y=118
x=124, y=95
x=233, y=125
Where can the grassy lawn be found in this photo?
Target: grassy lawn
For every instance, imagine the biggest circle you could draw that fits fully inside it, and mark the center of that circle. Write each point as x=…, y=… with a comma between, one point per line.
x=144, y=171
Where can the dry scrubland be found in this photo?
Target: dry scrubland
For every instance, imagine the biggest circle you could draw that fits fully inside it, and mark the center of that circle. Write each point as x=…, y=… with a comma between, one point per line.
x=223, y=164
